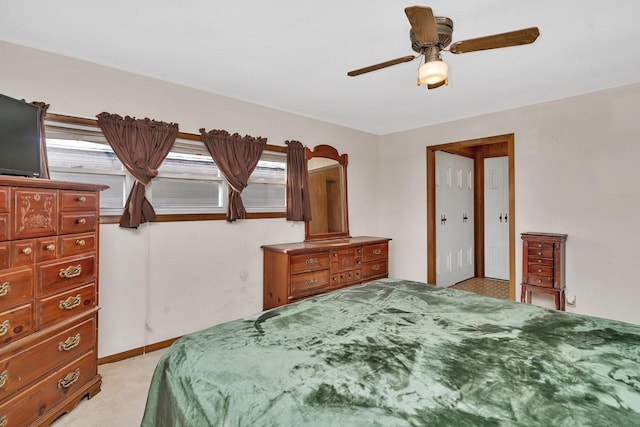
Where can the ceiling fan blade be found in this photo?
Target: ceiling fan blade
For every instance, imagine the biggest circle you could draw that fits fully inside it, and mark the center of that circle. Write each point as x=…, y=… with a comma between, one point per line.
x=380, y=65
x=512, y=38
x=423, y=24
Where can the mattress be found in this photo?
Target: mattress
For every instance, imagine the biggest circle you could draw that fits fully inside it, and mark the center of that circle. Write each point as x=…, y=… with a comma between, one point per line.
x=401, y=353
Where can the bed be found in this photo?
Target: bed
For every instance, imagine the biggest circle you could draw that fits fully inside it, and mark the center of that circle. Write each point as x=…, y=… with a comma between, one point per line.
x=401, y=353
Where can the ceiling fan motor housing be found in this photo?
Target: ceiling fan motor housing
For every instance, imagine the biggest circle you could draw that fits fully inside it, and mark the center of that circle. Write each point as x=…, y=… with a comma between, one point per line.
x=444, y=26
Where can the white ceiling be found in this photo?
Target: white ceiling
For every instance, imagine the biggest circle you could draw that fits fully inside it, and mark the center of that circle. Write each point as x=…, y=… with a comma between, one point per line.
x=293, y=55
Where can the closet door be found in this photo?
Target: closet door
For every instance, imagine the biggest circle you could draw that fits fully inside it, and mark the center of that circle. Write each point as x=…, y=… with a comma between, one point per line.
x=496, y=218
x=454, y=218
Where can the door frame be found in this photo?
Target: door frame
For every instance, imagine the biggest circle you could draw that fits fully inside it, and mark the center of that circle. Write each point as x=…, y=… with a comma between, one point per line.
x=478, y=149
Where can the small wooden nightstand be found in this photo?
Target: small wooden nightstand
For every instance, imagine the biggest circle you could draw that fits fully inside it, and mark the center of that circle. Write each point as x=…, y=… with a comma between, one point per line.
x=543, y=266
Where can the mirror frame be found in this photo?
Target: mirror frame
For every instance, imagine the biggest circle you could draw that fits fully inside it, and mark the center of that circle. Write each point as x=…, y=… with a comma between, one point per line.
x=329, y=152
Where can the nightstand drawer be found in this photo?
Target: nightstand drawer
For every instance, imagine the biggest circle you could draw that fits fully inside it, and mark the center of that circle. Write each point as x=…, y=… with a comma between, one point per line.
x=545, y=282
x=541, y=270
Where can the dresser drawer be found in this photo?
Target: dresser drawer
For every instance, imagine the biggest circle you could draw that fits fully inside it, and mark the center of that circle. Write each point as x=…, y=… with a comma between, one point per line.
x=540, y=253
x=373, y=269
x=76, y=244
x=23, y=252
x=16, y=287
x=543, y=281
x=4, y=199
x=59, y=307
x=16, y=323
x=375, y=252
x=4, y=227
x=27, y=406
x=59, y=275
x=346, y=277
x=34, y=213
x=541, y=270
x=540, y=261
x=309, y=262
x=46, y=248
x=36, y=361
x=305, y=283
x=78, y=201
x=77, y=222
x=5, y=251
x=540, y=246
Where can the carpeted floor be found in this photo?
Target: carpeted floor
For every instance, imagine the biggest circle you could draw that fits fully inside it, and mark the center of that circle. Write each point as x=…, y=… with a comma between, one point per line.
x=485, y=286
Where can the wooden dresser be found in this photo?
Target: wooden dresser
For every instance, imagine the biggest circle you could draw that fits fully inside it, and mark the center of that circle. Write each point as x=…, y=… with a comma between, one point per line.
x=48, y=298
x=295, y=271
x=543, y=266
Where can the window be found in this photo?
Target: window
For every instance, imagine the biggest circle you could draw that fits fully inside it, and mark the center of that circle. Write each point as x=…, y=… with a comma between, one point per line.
x=188, y=180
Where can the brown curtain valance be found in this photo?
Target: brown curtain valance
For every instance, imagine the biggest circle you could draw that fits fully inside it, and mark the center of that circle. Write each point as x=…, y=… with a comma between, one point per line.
x=141, y=145
x=236, y=157
x=298, y=202
x=44, y=161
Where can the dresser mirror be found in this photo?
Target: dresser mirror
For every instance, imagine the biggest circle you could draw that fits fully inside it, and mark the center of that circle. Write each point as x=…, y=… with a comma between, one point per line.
x=327, y=193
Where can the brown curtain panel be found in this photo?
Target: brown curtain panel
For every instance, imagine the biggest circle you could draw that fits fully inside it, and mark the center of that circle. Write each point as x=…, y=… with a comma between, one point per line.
x=44, y=161
x=298, y=202
x=141, y=145
x=236, y=157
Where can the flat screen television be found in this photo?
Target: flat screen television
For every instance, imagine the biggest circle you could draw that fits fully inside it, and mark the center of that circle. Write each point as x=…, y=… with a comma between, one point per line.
x=19, y=138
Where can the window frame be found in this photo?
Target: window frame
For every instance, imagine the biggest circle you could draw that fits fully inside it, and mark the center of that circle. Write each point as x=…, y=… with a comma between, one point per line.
x=109, y=217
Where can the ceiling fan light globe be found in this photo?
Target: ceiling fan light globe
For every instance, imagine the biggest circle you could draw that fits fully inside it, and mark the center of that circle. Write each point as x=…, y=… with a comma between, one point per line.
x=432, y=72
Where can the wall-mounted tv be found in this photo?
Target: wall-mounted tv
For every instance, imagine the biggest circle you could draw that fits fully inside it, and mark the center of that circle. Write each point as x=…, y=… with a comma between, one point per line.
x=19, y=138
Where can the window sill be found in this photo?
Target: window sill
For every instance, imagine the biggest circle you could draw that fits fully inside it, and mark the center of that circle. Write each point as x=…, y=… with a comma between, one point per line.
x=115, y=219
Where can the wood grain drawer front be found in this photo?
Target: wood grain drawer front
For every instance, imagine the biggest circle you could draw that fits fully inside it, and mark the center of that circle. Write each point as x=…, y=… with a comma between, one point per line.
x=540, y=253
x=16, y=287
x=4, y=226
x=310, y=282
x=541, y=270
x=76, y=244
x=46, y=249
x=375, y=252
x=5, y=252
x=349, y=277
x=540, y=246
x=540, y=261
x=544, y=281
x=55, y=276
x=62, y=306
x=309, y=262
x=35, y=213
x=348, y=258
x=373, y=269
x=27, y=406
x=23, y=252
x=16, y=323
x=71, y=201
x=4, y=199
x=36, y=361
x=79, y=222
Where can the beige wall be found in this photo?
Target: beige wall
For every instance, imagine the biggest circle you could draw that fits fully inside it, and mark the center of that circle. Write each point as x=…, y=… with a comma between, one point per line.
x=168, y=279
x=575, y=173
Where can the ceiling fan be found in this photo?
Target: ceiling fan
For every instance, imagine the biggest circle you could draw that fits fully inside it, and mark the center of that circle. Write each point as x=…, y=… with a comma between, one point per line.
x=431, y=35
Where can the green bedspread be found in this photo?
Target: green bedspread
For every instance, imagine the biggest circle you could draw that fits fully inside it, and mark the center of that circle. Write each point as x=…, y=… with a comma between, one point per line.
x=401, y=353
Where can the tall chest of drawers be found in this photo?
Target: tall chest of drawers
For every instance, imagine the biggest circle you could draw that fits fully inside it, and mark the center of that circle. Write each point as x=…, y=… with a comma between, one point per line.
x=543, y=266
x=48, y=298
x=295, y=271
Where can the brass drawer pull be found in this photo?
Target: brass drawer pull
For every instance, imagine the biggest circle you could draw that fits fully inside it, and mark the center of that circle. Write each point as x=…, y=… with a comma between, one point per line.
x=539, y=281
x=82, y=199
x=4, y=289
x=69, y=379
x=377, y=251
x=71, y=271
x=81, y=221
x=51, y=247
x=311, y=261
x=310, y=282
x=27, y=251
x=69, y=343
x=70, y=303
x=539, y=270
x=3, y=421
x=3, y=378
x=4, y=327
x=375, y=267
x=80, y=242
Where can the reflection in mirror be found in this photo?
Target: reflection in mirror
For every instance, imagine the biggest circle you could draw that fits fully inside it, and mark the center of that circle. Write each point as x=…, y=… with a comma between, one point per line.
x=328, y=193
